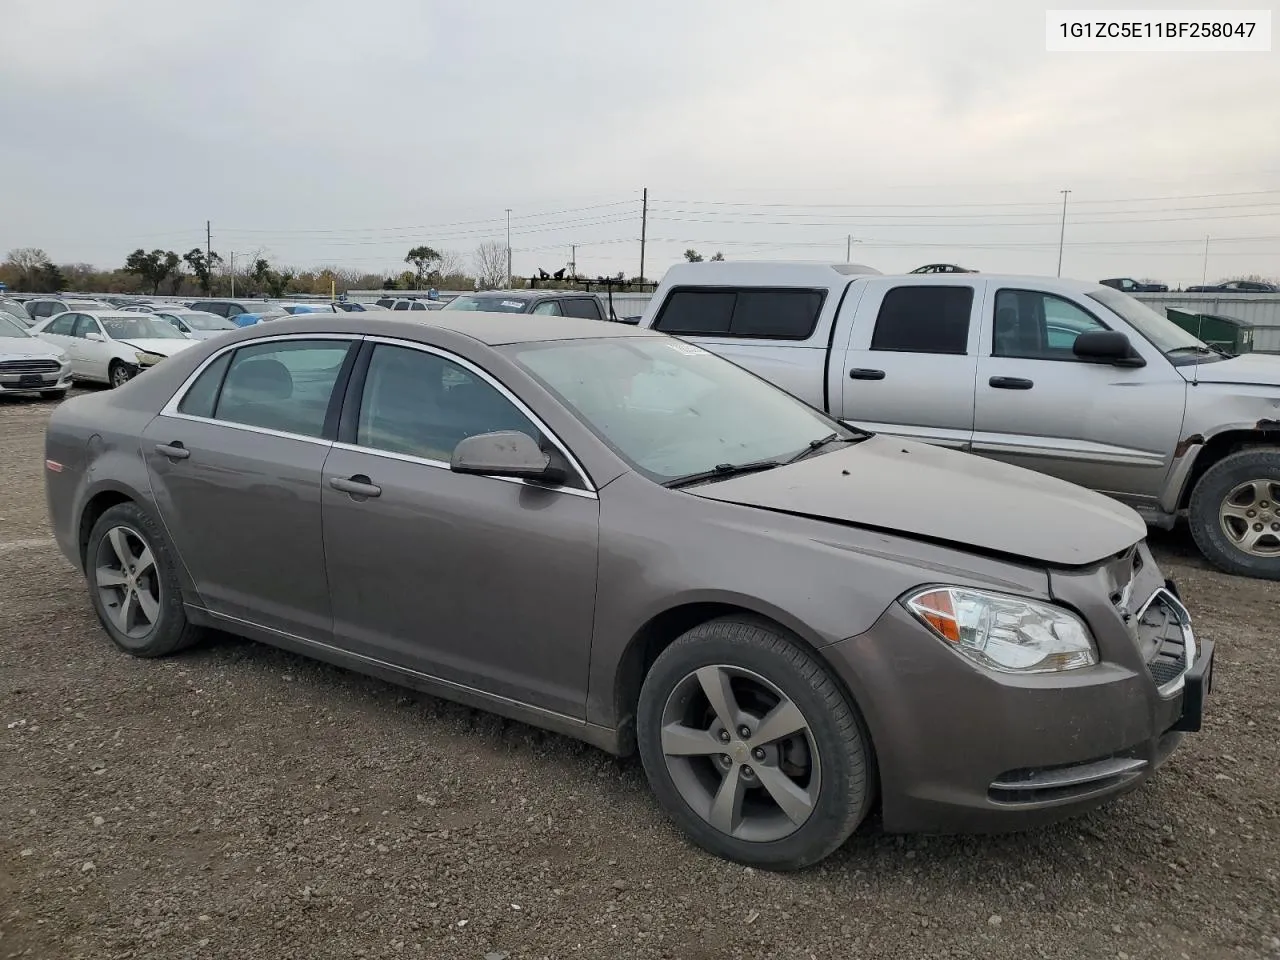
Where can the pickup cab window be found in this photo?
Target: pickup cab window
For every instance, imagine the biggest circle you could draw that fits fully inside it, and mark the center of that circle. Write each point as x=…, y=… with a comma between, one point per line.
x=924, y=319
x=765, y=314
x=1034, y=325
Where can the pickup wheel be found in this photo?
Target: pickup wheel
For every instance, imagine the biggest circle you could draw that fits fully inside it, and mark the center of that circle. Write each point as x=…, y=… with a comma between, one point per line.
x=752, y=747
x=1235, y=513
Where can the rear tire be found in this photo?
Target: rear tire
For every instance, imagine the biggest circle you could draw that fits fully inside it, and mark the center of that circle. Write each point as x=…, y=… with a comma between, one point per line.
x=787, y=802
x=1238, y=495
x=133, y=584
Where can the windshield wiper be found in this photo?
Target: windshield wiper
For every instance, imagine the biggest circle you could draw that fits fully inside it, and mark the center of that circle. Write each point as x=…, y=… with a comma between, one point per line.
x=722, y=471
x=814, y=445
x=1198, y=349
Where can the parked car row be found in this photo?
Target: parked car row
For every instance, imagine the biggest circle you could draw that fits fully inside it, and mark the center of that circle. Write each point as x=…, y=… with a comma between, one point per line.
x=1129, y=285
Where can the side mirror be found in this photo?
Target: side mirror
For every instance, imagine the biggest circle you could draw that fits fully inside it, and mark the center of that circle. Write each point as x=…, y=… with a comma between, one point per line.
x=1107, y=346
x=95, y=336
x=505, y=453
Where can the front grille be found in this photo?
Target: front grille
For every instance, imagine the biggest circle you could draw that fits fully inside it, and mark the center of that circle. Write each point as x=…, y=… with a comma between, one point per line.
x=1165, y=639
x=29, y=366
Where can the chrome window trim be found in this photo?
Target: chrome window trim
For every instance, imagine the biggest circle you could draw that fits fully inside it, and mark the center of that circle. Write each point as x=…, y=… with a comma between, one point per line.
x=170, y=410
x=511, y=398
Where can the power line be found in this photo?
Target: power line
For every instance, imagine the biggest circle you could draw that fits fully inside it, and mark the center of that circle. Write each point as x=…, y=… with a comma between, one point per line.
x=1014, y=203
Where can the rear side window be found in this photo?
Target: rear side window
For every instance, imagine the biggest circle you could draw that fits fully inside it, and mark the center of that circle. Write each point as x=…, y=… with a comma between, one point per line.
x=767, y=314
x=583, y=307
x=201, y=399
x=285, y=386
x=924, y=319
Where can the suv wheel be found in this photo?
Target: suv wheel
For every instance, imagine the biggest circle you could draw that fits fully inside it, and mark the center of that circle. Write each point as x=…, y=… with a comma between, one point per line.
x=751, y=746
x=1235, y=513
x=133, y=585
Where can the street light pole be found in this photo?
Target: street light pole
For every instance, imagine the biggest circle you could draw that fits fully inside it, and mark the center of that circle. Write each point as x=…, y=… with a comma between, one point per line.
x=1062, y=233
x=1204, y=276
x=508, y=248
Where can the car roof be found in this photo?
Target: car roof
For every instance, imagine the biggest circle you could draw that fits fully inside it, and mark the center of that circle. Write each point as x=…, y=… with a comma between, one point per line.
x=493, y=329
x=111, y=314
x=528, y=294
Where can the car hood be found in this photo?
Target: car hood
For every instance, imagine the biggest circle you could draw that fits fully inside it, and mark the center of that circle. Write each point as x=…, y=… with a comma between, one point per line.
x=937, y=494
x=1254, y=368
x=29, y=347
x=165, y=347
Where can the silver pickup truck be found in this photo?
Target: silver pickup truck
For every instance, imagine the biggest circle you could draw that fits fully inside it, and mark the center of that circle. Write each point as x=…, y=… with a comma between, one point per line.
x=1072, y=379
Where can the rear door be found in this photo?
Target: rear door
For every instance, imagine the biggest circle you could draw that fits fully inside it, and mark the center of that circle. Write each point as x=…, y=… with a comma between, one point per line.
x=911, y=357
x=235, y=463
x=1105, y=427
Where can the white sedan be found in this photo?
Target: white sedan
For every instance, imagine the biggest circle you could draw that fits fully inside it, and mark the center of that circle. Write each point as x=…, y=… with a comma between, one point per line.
x=196, y=324
x=111, y=346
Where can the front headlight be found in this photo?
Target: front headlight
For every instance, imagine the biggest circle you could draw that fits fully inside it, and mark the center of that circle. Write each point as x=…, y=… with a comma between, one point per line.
x=147, y=359
x=1005, y=633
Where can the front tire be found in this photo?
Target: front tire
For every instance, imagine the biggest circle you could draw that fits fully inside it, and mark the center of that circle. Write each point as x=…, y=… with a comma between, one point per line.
x=1235, y=513
x=133, y=584
x=119, y=373
x=751, y=746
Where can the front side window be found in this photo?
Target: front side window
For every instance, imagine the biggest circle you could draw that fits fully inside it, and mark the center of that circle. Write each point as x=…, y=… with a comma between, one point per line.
x=1038, y=326
x=767, y=314
x=423, y=405
x=924, y=319
x=549, y=308
x=85, y=325
x=284, y=386
x=669, y=408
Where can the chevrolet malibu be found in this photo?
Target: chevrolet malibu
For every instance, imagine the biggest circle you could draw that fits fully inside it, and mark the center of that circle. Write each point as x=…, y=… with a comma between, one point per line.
x=619, y=536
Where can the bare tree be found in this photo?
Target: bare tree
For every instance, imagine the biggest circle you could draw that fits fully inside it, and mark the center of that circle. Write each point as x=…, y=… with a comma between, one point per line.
x=454, y=264
x=490, y=260
x=27, y=262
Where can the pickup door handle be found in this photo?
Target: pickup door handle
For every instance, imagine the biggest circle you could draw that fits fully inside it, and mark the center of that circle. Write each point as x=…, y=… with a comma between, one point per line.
x=357, y=486
x=865, y=373
x=174, y=451
x=1011, y=383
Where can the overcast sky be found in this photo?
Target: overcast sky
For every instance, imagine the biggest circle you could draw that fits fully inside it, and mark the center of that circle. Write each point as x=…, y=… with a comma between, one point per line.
x=332, y=131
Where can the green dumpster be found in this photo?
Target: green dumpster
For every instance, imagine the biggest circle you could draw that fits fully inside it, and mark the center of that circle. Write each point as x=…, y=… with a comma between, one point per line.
x=1231, y=335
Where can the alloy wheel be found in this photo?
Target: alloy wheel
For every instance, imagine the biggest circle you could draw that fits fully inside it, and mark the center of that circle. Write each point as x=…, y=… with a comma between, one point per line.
x=740, y=753
x=1250, y=517
x=128, y=582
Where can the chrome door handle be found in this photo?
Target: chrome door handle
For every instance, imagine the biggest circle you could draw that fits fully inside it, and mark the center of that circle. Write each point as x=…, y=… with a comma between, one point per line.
x=174, y=451
x=357, y=486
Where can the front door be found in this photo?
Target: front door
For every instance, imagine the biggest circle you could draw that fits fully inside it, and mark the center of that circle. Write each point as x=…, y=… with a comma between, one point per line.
x=61, y=331
x=912, y=357
x=484, y=582
x=235, y=466
x=1109, y=428
x=95, y=354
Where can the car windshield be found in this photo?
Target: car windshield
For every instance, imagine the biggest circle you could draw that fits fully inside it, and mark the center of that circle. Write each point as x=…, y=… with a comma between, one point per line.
x=15, y=308
x=198, y=320
x=671, y=409
x=1165, y=335
x=493, y=304
x=11, y=328
x=139, y=327
x=84, y=304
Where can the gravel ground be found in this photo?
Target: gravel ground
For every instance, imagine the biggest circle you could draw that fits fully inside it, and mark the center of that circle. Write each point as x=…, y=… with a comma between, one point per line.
x=237, y=801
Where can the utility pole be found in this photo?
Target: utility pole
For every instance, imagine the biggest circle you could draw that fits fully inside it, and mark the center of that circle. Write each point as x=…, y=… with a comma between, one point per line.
x=508, y=248
x=644, y=223
x=208, y=255
x=1204, y=276
x=1062, y=233
x=233, y=273
x=848, y=248
x=573, y=261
